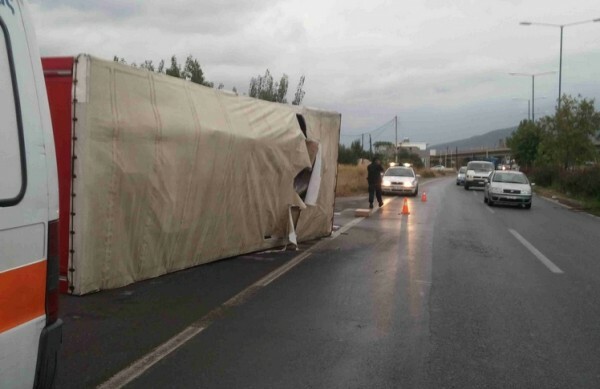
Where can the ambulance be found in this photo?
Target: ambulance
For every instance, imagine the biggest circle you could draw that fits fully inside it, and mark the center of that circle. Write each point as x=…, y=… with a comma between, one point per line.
x=30, y=330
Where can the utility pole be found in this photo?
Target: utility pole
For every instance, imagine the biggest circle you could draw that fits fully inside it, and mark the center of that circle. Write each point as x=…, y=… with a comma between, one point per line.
x=362, y=142
x=446, y=160
x=456, y=157
x=396, y=144
x=370, y=147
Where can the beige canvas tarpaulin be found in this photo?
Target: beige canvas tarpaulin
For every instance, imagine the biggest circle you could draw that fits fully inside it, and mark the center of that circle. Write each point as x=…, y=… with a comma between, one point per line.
x=171, y=174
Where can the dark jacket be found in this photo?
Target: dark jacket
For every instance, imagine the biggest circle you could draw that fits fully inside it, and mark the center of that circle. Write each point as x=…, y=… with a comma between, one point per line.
x=374, y=171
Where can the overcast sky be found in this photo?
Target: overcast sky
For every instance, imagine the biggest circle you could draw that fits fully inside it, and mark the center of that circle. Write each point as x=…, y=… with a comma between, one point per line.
x=440, y=65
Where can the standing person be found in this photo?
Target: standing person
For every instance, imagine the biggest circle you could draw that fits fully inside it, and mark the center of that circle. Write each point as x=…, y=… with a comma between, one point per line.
x=375, y=171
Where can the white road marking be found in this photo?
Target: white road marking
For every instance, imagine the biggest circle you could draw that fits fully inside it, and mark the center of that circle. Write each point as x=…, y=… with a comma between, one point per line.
x=346, y=227
x=549, y=264
x=490, y=209
x=282, y=269
x=556, y=202
x=423, y=282
x=146, y=362
x=140, y=366
x=354, y=222
x=474, y=193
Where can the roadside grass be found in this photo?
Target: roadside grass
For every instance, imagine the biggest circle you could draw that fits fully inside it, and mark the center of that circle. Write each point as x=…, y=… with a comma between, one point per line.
x=426, y=173
x=590, y=205
x=352, y=179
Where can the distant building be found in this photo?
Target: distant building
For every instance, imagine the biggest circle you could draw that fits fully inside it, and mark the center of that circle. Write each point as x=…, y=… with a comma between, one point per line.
x=419, y=148
x=385, y=149
x=412, y=147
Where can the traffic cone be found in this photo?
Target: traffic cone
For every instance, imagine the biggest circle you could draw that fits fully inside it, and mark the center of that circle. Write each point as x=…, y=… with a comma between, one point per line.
x=424, y=197
x=405, y=210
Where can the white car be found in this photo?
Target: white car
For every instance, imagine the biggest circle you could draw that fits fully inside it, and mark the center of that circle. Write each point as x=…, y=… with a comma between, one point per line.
x=508, y=187
x=477, y=173
x=400, y=180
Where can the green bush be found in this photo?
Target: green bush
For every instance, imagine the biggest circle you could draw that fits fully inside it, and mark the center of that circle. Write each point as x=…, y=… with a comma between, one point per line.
x=576, y=182
x=581, y=182
x=544, y=176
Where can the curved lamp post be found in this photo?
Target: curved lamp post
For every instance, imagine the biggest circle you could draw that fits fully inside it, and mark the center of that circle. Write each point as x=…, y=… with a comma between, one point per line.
x=532, y=75
x=561, y=26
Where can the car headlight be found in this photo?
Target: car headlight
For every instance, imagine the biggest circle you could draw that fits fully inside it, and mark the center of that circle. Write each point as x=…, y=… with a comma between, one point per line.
x=526, y=191
x=387, y=183
x=415, y=182
x=495, y=189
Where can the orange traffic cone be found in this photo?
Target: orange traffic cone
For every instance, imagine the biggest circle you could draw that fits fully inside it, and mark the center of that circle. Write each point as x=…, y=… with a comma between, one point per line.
x=405, y=210
x=424, y=197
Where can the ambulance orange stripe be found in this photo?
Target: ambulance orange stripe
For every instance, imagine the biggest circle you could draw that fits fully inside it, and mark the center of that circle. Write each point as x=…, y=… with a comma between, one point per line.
x=22, y=295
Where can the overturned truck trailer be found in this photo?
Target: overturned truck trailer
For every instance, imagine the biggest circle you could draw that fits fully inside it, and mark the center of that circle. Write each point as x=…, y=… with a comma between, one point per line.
x=159, y=174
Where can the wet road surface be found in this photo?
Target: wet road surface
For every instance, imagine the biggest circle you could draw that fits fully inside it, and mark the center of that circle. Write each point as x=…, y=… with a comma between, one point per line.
x=457, y=295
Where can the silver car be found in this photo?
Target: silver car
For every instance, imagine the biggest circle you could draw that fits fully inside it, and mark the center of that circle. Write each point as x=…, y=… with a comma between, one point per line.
x=400, y=180
x=507, y=187
x=460, y=178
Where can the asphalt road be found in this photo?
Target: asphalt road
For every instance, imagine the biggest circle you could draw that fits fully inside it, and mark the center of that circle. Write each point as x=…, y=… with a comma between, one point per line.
x=455, y=295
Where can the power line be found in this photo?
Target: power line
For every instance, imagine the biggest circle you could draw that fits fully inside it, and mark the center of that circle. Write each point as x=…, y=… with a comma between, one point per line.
x=380, y=128
x=352, y=136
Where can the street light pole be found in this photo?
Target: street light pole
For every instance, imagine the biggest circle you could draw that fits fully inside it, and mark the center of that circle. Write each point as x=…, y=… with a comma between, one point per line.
x=532, y=75
x=396, y=144
x=533, y=96
x=560, y=67
x=561, y=26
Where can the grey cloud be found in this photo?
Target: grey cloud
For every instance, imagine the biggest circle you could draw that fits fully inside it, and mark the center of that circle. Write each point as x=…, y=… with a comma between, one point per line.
x=202, y=17
x=111, y=8
x=436, y=60
x=178, y=16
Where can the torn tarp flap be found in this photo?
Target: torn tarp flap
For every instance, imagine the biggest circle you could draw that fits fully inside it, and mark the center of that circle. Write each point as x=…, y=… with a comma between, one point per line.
x=312, y=193
x=292, y=237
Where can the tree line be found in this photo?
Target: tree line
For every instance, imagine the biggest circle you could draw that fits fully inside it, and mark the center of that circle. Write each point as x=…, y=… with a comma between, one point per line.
x=262, y=87
x=559, y=151
x=564, y=140
x=381, y=149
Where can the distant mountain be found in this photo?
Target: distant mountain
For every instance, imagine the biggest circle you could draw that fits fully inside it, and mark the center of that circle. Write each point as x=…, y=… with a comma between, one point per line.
x=492, y=139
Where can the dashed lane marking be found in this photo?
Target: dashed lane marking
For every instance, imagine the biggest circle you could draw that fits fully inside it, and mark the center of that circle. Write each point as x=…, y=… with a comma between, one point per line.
x=548, y=263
